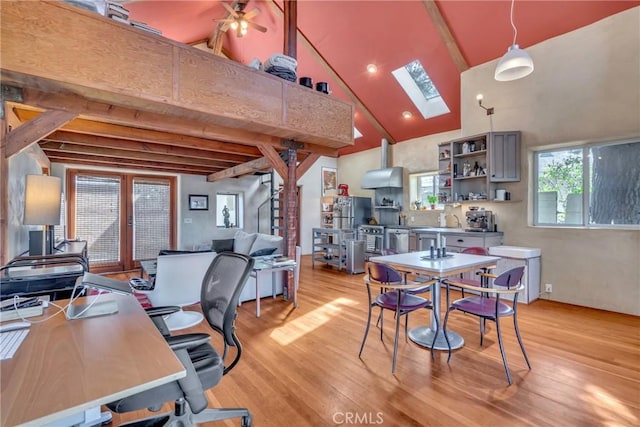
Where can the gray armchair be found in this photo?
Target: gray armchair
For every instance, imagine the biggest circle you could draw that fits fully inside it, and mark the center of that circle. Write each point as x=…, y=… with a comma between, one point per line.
x=205, y=367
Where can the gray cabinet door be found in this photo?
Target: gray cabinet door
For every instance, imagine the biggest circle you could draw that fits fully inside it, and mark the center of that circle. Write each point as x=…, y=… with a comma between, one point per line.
x=505, y=157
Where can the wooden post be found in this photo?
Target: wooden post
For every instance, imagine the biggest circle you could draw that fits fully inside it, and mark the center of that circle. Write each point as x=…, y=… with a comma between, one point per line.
x=4, y=190
x=290, y=49
x=291, y=28
x=291, y=210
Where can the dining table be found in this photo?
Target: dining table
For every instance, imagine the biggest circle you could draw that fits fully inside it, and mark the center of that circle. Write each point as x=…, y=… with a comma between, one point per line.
x=439, y=268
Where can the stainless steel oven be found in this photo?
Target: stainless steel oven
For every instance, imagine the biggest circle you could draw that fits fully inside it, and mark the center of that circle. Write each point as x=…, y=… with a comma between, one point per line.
x=373, y=236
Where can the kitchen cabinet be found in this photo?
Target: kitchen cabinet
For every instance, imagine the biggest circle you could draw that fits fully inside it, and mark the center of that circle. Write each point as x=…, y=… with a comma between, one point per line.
x=479, y=161
x=456, y=239
x=330, y=246
x=505, y=157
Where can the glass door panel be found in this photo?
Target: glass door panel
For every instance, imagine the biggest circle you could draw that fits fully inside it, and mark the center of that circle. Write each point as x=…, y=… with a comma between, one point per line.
x=151, y=217
x=97, y=217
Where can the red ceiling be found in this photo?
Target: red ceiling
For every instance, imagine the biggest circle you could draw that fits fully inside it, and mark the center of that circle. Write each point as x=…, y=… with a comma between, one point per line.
x=351, y=34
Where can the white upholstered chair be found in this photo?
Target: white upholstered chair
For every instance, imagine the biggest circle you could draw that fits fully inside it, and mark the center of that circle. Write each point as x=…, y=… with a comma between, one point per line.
x=178, y=282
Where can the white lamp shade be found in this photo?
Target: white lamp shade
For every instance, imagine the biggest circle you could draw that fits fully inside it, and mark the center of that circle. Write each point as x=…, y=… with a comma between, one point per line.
x=515, y=64
x=42, y=200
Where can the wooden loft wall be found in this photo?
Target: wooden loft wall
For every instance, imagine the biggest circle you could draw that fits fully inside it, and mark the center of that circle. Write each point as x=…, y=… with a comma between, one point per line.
x=55, y=47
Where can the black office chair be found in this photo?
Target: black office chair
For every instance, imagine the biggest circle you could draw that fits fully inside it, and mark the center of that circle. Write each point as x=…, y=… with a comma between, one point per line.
x=221, y=290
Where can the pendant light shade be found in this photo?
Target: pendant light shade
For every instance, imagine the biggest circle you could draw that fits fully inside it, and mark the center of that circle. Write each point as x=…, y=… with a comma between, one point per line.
x=515, y=64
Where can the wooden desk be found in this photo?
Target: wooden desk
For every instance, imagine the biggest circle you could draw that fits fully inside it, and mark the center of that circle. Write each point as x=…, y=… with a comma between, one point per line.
x=64, y=367
x=439, y=268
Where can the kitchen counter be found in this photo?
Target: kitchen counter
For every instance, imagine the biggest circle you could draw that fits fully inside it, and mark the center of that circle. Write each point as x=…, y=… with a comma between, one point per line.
x=446, y=230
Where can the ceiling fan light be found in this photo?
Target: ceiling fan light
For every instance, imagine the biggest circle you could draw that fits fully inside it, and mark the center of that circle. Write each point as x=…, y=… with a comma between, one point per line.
x=515, y=64
x=243, y=24
x=234, y=25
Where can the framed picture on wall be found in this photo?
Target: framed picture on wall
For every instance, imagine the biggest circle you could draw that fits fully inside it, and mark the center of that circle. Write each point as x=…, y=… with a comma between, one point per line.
x=198, y=202
x=329, y=182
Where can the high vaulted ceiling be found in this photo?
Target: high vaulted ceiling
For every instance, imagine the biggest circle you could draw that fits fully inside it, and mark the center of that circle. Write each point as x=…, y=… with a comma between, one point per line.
x=338, y=39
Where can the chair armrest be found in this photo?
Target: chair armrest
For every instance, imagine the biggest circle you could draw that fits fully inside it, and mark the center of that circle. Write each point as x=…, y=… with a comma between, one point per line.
x=162, y=311
x=187, y=341
x=485, y=290
x=489, y=275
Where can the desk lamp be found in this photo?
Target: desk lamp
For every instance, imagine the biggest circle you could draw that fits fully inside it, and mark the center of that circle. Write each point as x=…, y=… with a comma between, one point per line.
x=42, y=202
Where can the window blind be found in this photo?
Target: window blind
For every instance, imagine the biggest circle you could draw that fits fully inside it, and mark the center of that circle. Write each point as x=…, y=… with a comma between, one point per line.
x=151, y=217
x=98, y=216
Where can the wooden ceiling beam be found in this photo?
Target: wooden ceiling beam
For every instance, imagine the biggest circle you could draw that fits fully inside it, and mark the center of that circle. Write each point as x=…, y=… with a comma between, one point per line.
x=445, y=34
x=304, y=165
x=276, y=161
x=217, y=138
x=145, y=130
x=243, y=169
x=336, y=77
x=112, y=153
x=146, y=147
x=34, y=130
x=116, y=162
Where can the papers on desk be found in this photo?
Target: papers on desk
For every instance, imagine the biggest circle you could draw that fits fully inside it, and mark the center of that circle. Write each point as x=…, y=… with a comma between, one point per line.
x=282, y=261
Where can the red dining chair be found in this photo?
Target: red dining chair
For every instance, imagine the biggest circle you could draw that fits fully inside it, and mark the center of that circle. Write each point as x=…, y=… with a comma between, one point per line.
x=400, y=302
x=507, y=284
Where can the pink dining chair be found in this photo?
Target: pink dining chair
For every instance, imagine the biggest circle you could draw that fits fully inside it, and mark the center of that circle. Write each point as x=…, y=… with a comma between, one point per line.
x=416, y=279
x=486, y=307
x=400, y=302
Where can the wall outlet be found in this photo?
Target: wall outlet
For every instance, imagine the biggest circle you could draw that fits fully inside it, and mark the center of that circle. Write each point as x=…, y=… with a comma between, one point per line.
x=548, y=288
x=413, y=218
x=187, y=220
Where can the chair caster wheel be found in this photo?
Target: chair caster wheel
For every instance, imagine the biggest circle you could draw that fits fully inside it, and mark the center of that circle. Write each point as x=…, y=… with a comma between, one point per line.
x=247, y=420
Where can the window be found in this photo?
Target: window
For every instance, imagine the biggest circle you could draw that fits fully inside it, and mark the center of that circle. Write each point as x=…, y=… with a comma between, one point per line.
x=421, y=186
x=228, y=207
x=420, y=89
x=589, y=185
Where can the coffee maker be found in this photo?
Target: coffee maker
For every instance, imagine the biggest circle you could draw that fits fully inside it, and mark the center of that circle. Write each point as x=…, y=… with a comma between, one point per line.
x=478, y=220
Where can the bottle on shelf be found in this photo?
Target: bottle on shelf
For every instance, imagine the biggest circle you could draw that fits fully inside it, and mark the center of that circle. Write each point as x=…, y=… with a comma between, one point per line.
x=466, y=168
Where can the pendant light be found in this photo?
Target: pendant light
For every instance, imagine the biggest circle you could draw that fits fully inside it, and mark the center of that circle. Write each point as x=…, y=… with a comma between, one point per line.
x=516, y=63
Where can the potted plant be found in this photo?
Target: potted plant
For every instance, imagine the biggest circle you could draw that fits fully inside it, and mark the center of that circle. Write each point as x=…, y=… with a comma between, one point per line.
x=433, y=200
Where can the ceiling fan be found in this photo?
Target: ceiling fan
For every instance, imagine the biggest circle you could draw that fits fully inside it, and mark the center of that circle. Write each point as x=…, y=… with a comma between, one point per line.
x=239, y=20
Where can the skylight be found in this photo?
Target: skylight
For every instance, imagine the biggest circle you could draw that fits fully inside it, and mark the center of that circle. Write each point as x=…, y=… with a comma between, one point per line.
x=421, y=90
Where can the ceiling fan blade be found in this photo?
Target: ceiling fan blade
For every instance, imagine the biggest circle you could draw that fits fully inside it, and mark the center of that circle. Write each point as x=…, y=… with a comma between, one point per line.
x=252, y=14
x=230, y=9
x=225, y=21
x=257, y=27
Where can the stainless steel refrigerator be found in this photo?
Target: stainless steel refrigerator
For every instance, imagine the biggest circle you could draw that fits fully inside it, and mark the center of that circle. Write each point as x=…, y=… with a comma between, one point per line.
x=351, y=211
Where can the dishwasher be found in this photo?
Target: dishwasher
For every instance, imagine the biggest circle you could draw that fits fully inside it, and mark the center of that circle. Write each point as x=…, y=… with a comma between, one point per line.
x=397, y=239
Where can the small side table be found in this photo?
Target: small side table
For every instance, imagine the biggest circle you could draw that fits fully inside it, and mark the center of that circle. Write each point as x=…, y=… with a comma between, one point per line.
x=267, y=265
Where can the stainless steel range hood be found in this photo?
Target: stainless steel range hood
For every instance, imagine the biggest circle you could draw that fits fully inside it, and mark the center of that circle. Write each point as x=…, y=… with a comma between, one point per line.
x=383, y=178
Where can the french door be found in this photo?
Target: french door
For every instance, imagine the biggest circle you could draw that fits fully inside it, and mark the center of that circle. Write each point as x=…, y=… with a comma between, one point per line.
x=124, y=218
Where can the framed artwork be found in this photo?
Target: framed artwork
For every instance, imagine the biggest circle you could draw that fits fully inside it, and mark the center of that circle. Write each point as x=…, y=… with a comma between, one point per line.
x=329, y=182
x=198, y=202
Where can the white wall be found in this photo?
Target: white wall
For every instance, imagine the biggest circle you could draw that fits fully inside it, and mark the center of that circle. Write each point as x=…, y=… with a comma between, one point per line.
x=20, y=165
x=199, y=227
x=585, y=87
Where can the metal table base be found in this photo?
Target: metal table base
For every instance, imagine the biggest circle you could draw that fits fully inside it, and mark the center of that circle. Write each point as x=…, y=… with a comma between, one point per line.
x=423, y=336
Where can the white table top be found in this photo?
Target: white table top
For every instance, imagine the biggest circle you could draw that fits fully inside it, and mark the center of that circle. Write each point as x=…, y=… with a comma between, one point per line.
x=439, y=267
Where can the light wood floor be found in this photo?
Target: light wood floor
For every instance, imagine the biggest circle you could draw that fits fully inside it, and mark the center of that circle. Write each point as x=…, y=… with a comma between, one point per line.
x=300, y=367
